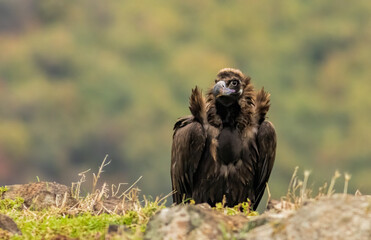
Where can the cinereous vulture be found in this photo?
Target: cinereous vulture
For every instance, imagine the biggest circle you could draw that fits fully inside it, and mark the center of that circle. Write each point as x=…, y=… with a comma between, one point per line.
x=226, y=148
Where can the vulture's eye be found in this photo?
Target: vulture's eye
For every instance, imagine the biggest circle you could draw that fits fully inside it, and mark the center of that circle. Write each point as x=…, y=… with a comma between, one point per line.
x=234, y=83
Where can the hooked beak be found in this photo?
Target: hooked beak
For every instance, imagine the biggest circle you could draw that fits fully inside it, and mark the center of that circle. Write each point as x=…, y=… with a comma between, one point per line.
x=220, y=89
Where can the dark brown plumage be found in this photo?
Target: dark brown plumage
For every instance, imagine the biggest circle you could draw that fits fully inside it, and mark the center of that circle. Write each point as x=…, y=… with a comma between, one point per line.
x=226, y=147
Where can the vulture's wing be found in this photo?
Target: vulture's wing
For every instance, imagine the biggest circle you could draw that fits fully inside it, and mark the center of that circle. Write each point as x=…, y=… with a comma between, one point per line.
x=188, y=144
x=266, y=142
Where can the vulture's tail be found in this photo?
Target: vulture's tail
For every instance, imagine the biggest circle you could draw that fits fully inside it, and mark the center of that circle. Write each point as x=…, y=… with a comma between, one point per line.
x=262, y=105
x=197, y=105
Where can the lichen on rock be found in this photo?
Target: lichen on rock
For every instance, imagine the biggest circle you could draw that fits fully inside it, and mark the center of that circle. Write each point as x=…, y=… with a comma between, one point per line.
x=41, y=195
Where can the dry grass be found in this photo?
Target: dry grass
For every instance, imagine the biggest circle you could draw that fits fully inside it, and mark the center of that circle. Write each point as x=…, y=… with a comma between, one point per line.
x=83, y=220
x=298, y=191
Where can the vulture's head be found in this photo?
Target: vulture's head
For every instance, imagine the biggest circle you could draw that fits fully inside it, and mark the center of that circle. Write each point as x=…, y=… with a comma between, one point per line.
x=231, y=89
x=229, y=86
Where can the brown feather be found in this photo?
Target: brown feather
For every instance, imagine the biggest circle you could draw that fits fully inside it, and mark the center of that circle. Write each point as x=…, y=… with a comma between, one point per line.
x=197, y=105
x=262, y=105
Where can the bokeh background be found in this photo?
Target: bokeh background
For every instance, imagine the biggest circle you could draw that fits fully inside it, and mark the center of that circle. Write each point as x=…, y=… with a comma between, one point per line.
x=82, y=79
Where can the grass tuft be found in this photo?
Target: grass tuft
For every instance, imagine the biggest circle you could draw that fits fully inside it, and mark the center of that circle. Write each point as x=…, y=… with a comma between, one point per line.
x=82, y=220
x=298, y=190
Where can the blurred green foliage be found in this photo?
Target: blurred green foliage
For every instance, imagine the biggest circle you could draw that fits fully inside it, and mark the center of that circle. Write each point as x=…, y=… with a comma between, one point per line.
x=79, y=79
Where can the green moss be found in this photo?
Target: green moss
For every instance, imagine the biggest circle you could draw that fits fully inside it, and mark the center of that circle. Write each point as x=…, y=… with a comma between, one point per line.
x=46, y=224
x=242, y=207
x=11, y=204
x=51, y=222
x=3, y=189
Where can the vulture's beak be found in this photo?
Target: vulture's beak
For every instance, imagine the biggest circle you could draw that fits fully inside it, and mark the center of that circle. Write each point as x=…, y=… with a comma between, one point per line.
x=220, y=89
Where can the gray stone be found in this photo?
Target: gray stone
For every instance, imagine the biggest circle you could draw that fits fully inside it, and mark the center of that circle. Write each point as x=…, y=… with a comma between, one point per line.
x=41, y=195
x=338, y=217
x=192, y=222
x=6, y=223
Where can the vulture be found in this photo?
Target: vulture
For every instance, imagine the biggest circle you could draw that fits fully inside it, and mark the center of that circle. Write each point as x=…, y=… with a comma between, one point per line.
x=225, y=150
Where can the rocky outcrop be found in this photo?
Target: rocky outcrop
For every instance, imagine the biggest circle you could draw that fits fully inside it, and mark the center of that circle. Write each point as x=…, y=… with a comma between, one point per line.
x=41, y=195
x=192, y=222
x=335, y=217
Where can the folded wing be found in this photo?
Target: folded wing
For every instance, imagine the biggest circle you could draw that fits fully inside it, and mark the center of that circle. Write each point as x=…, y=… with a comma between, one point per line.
x=266, y=143
x=188, y=145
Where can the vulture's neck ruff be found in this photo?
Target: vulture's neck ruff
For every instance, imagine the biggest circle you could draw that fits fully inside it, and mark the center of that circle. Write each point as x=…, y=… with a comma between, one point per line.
x=228, y=114
x=231, y=102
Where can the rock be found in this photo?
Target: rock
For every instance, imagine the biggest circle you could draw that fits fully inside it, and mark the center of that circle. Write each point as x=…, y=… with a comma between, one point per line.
x=336, y=217
x=192, y=222
x=280, y=205
x=113, y=205
x=115, y=229
x=41, y=195
x=117, y=232
x=6, y=223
